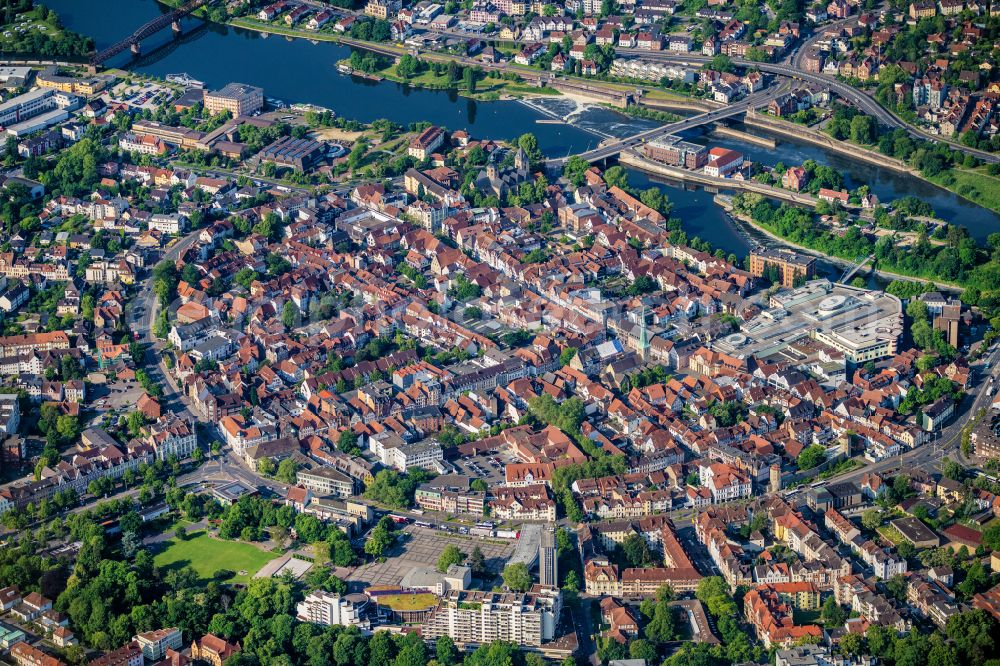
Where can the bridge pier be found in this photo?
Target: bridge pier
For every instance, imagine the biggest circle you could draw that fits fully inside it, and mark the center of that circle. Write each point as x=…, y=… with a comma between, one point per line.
x=136, y=50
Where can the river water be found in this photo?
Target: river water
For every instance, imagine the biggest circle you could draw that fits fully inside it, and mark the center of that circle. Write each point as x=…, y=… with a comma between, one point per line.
x=297, y=70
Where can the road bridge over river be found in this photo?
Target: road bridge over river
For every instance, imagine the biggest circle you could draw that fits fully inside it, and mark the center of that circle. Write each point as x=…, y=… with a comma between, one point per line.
x=614, y=147
x=859, y=99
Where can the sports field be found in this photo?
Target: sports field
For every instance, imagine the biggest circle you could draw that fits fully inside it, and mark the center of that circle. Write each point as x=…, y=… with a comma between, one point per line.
x=206, y=555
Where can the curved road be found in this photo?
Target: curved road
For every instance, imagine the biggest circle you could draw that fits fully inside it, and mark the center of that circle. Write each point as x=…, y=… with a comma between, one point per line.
x=858, y=98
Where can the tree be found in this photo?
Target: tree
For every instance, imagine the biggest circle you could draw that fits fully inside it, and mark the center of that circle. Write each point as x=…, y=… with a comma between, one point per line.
x=871, y=519
x=974, y=634
x=721, y=63
x=897, y=586
x=575, y=168
x=445, y=651
x=991, y=536
x=407, y=66
x=636, y=551
x=863, y=129
x=852, y=644
x=131, y=543
x=288, y=314
x=642, y=649
x=833, y=615
x=378, y=540
x=881, y=641
x=616, y=176
x=134, y=422
x=528, y=142
x=811, y=457
x=952, y=469
x=265, y=467
x=567, y=355
x=347, y=441
x=287, y=471
x=517, y=577
x=477, y=561
x=713, y=591
x=190, y=274
x=449, y=556
x=479, y=486
x=662, y=626
x=245, y=277
x=181, y=533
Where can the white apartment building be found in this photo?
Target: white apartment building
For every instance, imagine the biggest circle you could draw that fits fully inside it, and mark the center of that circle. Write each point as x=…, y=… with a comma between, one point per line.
x=321, y=607
x=326, y=481
x=154, y=644
x=476, y=618
x=402, y=456
x=10, y=414
x=168, y=224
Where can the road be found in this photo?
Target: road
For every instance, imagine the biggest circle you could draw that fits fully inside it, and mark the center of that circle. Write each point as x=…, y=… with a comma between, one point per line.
x=859, y=98
x=794, y=57
x=615, y=147
x=143, y=313
x=948, y=441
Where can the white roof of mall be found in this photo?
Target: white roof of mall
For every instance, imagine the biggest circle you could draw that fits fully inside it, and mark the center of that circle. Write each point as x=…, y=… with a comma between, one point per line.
x=849, y=318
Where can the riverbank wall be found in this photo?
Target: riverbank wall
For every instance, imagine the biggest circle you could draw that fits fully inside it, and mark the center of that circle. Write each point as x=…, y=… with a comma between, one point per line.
x=815, y=137
x=724, y=130
x=635, y=161
x=699, y=106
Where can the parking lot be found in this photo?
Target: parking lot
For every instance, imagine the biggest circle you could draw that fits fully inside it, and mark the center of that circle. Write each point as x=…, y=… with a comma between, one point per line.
x=141, y=95
x=489, y=468
x=115, y=395
x=421, y=548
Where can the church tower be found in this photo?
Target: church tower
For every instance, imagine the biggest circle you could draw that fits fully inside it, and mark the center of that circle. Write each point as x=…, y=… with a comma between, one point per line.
x=521, y=162
x=643, y=336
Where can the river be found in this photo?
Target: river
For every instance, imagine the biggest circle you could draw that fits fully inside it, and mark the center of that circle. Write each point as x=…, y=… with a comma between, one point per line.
x=297, y=70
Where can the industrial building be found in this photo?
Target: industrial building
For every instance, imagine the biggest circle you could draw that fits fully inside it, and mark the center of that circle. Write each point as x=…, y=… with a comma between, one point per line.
x=298, y=154
x=36, y=110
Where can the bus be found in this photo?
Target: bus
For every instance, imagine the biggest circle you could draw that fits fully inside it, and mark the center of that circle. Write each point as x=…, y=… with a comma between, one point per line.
x=399, y=520
x=423, y=523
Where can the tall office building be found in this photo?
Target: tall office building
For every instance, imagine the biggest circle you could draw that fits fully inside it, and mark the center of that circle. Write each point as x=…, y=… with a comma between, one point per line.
x=548, y=559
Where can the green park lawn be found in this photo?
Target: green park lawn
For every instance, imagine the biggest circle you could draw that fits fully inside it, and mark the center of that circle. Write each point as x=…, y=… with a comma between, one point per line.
x=206, y=555
x=974, y=184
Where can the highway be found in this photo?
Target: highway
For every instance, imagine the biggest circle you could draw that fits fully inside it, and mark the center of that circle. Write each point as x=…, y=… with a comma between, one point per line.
x=859, y=99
